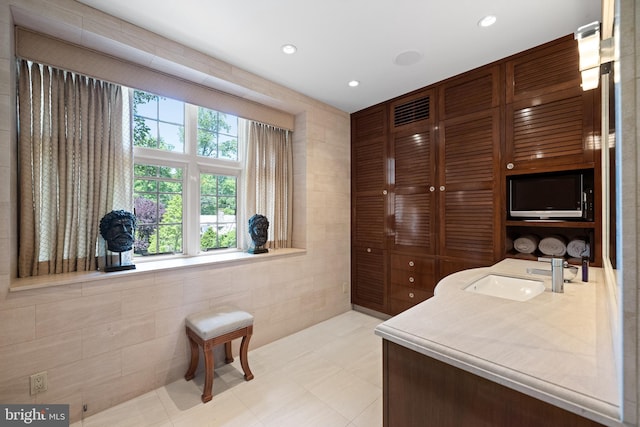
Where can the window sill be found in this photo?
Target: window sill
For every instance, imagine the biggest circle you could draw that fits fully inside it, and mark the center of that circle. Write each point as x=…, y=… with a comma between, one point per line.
x=145, y=267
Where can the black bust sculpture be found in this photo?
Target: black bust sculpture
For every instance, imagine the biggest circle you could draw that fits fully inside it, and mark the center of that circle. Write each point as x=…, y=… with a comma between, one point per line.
x=117, y=228
x=258, y=230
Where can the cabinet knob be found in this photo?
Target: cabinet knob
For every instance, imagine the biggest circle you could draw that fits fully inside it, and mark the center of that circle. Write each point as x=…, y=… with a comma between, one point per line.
x=411, y=280
x=510, y=166
x=411, y=295
x=442, y=188
x=411, y=264
x=384, y=192
x=368, y=249
x=432, y=188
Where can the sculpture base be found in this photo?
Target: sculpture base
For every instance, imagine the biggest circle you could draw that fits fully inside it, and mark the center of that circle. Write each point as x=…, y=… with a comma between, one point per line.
x=258, y=250
x=119, y=267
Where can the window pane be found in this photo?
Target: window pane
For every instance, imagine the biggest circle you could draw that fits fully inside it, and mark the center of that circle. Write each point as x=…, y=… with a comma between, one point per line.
x=158, y=122
x=228, y=147
x=171, y=137
x=217, y=134
x=158, y=208
x=171, y=111
x=218, y=200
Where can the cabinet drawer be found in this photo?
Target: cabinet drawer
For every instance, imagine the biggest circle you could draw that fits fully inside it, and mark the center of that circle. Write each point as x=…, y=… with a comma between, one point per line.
x=413, y=272
x=408, y=294
x=424, y=281
x=413, y=263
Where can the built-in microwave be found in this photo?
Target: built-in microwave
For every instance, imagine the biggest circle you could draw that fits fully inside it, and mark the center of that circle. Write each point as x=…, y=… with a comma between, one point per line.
x=551, y=196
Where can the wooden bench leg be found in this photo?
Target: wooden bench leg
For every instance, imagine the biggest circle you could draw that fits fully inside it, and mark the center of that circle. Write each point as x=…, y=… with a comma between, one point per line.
x=193, y=365
x=208, y=369
x=227, y=350
x=244, y=361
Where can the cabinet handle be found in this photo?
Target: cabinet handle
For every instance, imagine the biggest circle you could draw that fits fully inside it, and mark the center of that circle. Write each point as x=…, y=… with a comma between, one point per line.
x=411, y=295
x=368, y=249
x=411, y=280
x=384, y=192
x=510, y=166
x=432, y=188
x=411, y=264
x=442, y=188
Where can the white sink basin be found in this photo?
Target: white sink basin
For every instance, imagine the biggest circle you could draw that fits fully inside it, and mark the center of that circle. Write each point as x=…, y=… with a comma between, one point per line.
x=508, y=287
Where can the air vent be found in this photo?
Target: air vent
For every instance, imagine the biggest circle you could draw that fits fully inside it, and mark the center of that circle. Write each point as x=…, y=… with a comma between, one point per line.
x=410, y=112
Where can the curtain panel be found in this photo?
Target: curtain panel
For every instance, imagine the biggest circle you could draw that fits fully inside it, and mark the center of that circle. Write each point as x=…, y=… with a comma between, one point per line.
x=75, y=165
x=269, y=180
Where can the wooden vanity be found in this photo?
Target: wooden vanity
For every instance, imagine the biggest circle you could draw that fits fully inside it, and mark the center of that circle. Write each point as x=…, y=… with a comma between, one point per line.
x=464, y=359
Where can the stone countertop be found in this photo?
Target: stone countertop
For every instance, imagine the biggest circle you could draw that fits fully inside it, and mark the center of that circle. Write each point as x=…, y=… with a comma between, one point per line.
x=557, y=347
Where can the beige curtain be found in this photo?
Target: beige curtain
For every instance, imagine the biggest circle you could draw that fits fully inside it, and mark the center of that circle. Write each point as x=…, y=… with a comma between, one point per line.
x=269, y=177
x=75, y=166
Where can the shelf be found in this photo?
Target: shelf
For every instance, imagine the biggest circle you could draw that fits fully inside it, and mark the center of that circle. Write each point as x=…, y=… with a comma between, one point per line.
x=550, y=224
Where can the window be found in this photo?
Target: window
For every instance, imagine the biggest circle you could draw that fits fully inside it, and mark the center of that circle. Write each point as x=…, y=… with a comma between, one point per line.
x=186, y=160
x=189, y=173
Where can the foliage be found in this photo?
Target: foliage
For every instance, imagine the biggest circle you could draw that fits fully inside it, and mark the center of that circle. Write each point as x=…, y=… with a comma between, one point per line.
x=147, y=213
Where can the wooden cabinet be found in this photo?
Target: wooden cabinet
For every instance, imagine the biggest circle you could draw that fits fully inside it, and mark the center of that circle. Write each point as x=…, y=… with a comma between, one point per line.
x=550, y=121
x=429, y=169
x=551, y=124
x=469, y=178
x=368, y=278
x=419, y=390
x=412, y=160
x=413, y=279
x=369, y=208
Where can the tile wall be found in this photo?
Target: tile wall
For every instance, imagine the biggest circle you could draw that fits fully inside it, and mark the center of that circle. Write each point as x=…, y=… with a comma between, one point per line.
x=107, y=341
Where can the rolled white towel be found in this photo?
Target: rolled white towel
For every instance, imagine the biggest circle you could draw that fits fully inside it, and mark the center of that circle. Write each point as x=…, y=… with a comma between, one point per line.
x=526, y=244
x=577, y=248
x=553, y=246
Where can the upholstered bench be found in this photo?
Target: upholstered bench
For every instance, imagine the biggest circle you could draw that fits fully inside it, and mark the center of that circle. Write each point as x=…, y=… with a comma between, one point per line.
x=209, y=328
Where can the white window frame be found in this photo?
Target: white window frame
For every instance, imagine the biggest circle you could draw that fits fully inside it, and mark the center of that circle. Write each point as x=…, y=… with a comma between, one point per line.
x=193, y=165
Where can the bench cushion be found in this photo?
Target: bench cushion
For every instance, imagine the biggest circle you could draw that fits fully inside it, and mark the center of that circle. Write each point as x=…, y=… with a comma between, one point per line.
x=218, y=321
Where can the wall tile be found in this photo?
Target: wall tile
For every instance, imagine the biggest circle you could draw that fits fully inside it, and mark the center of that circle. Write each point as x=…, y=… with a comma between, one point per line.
x=18, y=325
x=151, y=298
x=115, y=335
x=75, y=377
x=75, y=314
x=39, y=355
x=153, y=353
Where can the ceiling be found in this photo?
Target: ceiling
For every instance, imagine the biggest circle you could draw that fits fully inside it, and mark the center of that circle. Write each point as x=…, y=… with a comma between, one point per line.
x=390, y=47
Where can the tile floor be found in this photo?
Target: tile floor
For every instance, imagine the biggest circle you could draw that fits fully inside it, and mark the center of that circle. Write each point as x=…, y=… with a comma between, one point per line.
x=327, y=375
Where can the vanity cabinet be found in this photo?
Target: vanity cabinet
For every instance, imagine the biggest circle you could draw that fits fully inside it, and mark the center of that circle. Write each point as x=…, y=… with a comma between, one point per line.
x=419, y=390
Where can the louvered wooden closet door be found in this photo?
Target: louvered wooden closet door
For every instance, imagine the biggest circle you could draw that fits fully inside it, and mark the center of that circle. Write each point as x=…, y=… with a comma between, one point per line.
x=469, y=202
x=413, y=161
x=369, y=208
x=413, y=200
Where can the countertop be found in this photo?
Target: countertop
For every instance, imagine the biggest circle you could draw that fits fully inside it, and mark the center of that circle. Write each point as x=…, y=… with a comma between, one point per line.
x=557, y=347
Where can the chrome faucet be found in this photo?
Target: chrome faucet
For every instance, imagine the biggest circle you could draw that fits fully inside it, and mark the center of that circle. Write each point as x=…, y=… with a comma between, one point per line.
x=557, y=272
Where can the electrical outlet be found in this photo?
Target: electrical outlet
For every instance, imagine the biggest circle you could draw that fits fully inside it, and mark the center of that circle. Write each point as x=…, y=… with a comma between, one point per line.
x=39, y=382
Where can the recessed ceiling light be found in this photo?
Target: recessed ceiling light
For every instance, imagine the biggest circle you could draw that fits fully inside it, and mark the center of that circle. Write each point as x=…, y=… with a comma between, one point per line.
x=289, y=49
x=353, y=83
x=487, y=21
